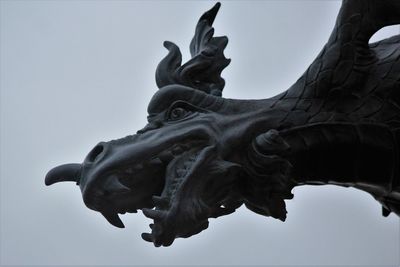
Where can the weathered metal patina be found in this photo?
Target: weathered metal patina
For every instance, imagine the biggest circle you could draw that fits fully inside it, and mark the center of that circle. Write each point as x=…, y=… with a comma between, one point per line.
x=202, y=156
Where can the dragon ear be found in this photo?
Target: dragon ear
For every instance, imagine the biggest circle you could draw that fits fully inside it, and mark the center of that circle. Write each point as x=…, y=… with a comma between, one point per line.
x=203, y=70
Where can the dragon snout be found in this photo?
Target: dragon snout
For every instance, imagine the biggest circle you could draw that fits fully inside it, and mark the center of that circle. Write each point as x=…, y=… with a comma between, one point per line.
x=72, y=172
x=96, y=153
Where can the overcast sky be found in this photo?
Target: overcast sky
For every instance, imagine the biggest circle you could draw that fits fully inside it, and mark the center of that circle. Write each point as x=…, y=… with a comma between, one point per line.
x=74, y=73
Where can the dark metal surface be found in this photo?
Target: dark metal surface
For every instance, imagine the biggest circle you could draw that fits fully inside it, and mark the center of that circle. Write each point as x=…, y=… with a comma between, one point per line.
x=202, y=156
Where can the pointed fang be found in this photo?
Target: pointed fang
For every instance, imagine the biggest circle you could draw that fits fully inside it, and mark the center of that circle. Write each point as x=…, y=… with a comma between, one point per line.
x=153, y=214
x=147, y=237
x=113, y=219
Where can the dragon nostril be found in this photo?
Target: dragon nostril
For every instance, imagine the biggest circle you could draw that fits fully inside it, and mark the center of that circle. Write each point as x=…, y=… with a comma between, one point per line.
x=94, y=154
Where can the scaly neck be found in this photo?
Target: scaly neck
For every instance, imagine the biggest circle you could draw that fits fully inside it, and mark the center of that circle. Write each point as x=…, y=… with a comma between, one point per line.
x=344, y=154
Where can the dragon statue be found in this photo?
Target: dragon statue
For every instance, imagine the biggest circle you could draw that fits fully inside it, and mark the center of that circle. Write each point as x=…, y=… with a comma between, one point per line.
x=202, y=156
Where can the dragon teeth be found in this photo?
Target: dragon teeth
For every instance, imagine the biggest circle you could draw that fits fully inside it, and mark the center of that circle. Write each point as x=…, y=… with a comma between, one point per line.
x=147, y=237
x=113, y=219
x=153, y=214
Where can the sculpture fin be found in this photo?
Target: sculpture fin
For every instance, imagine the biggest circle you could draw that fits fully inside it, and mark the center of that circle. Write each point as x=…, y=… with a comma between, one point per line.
x=203, y=70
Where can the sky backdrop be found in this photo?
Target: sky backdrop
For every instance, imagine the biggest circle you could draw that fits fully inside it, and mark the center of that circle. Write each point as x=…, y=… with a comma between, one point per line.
x=74, y=73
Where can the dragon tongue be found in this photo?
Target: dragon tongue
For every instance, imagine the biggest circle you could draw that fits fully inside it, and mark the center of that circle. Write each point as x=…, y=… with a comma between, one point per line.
x=114, y=219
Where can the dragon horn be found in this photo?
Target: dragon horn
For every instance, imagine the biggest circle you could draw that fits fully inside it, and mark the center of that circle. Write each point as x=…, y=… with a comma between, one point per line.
x=63, y=173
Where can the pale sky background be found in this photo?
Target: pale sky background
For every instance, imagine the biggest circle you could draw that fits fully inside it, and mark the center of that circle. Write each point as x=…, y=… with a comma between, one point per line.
x=74, y=73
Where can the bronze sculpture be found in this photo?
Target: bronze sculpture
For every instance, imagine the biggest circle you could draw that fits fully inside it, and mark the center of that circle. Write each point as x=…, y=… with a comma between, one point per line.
x=203, y=156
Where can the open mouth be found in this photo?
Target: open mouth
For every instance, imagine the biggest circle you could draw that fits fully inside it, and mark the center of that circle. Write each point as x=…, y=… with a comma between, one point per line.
x=168, y=168
x=177, y=170
x=176, y=212
x=172, y=190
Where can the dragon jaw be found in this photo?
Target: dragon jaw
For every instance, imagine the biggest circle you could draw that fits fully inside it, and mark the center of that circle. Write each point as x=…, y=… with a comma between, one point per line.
x=189, y=197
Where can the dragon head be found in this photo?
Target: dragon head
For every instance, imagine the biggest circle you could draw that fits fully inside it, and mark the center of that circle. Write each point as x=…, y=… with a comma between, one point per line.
x=190, y=162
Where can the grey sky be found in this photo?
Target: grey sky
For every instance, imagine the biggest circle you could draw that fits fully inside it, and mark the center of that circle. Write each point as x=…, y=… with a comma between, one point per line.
x=74, y=73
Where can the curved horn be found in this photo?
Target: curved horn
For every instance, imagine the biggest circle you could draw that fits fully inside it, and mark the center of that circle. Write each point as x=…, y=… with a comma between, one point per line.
x=63, y=173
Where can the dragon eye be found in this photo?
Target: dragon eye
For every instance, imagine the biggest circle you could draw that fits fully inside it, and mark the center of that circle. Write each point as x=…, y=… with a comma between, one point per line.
x=178, y=113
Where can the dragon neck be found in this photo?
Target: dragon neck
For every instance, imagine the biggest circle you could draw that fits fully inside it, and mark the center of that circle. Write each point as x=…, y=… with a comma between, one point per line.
x=344, y=154
x=349, y=154
x=361, y=155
